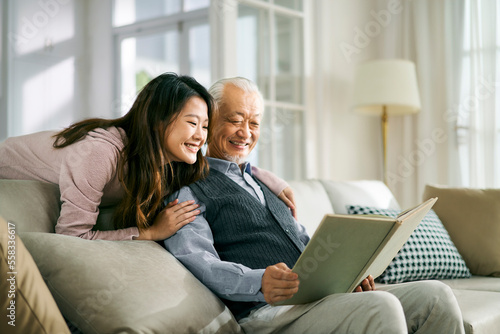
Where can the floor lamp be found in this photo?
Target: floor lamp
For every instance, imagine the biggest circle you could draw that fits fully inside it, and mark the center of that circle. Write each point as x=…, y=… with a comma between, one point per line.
x=385, y=88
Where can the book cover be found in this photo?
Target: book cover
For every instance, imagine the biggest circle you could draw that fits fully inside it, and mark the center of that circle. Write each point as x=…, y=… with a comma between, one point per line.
x=345, y=249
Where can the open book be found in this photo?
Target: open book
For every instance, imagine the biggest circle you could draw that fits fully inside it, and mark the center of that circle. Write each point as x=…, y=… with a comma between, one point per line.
x=345, y=249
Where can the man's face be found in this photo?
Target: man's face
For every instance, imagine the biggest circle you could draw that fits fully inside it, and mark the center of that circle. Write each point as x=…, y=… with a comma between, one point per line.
x=237, y=128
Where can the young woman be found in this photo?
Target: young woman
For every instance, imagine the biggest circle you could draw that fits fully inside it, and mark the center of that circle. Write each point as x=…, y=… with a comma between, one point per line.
x=132, y=162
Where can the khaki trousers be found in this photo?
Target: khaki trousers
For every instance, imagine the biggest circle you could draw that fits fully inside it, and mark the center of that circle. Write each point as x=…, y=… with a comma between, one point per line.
x=417, y=307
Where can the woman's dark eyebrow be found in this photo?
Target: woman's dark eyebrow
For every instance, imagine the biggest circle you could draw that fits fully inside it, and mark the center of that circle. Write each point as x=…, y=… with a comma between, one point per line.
x=195, y=116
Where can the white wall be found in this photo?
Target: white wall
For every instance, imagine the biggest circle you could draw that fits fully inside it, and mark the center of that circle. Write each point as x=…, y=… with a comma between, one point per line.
x=349, y=145
x=99, y=40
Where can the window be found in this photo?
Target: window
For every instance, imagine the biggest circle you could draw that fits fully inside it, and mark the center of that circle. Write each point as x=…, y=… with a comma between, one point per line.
x=478, y=117
x=258, y=39
x=157, y=36
x=270, y=52
x=43, y=49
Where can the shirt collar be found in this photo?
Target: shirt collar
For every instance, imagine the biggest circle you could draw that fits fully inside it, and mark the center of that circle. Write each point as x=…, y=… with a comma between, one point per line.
x=224, y=166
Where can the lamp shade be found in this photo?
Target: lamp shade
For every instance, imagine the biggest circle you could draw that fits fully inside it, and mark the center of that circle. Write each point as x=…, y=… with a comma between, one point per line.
x=389, y=82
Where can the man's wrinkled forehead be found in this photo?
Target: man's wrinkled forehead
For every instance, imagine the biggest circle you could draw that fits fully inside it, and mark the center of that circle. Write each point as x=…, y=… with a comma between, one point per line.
x=238, y=114
x=237, y=98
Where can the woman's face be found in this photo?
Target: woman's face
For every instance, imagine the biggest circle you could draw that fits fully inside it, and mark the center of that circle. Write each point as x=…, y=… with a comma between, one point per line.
x=187, y=134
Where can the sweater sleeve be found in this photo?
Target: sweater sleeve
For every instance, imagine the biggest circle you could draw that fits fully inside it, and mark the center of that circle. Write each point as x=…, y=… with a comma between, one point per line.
x=274, y=183
x=86, y=169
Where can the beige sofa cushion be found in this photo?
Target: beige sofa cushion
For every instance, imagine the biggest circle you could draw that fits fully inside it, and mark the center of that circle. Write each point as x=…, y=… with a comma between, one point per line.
x=479, y=310
x=125, y=286
x=34, y=311
x=32, y=205
x=472, y=218
x=477, y=283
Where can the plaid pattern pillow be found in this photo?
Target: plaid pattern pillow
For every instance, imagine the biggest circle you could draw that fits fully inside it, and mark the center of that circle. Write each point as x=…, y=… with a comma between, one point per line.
x=429, y=253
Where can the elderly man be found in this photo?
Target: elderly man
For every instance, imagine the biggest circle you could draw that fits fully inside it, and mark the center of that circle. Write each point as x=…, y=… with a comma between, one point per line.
x=245, y=240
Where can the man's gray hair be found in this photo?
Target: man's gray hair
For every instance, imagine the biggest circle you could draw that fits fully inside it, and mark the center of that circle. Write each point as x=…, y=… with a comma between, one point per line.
x=246, y=85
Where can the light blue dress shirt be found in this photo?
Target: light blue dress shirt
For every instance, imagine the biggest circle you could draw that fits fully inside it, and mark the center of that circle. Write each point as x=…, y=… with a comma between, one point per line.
x=193, y=244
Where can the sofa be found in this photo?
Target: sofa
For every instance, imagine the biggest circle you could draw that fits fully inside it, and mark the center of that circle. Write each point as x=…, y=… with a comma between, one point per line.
x=97, y=286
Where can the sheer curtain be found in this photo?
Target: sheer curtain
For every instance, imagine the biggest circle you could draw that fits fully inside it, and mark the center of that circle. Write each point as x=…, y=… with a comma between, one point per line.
x=423, y=147
x=455, y=139
x=478, y=116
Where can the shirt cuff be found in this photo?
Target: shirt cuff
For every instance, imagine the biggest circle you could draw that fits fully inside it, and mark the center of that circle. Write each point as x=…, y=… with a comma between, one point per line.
x=254, y=277
x=248, y=289
x=134, y=233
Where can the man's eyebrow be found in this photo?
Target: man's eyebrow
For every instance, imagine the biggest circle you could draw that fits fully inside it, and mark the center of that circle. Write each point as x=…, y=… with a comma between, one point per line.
x=239, y=113
x=236, y=113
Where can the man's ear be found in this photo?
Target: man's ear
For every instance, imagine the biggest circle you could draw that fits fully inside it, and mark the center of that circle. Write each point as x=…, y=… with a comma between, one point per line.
x=211, y=143
x=214, y=127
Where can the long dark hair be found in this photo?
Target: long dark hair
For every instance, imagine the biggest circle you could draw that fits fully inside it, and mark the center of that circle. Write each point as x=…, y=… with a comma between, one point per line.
x=146, y=173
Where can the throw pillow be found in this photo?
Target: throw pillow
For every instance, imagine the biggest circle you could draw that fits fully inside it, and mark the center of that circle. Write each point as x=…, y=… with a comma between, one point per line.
x=33, y=205
x=27, y=307
x=362, y=192
x=106, y=286
x=472, y=217
x=312, y=203
x=429, y=253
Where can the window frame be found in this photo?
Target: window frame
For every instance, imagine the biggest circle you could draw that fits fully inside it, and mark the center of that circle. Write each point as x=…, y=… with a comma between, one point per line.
x=225, y=65
x=153, y=26
x=222, y=16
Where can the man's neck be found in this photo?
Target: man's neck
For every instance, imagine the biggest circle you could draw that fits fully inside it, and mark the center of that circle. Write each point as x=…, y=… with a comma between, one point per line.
x=240, y=164
x=237, y=160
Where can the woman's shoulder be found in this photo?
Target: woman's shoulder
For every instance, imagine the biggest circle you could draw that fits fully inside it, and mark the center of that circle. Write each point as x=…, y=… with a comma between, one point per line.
x=114, y=136
x=101, y=146
x=39, y=143
x=31, y=137
x=96, y=156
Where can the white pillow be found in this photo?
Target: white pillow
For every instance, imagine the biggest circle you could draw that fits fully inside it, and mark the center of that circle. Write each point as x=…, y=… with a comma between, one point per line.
x=312, y=203
x=372, y=193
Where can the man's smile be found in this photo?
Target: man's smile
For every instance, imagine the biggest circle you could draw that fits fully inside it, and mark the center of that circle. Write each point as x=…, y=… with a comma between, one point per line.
x=241, y=144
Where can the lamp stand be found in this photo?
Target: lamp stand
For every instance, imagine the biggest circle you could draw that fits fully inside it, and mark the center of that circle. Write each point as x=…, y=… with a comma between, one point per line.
x=384, y=140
